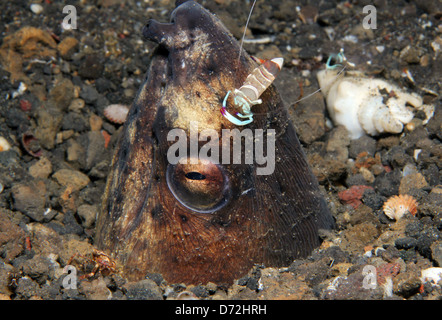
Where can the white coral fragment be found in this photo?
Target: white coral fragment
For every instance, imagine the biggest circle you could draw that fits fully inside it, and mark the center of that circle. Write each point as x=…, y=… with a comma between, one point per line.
x=368, y=106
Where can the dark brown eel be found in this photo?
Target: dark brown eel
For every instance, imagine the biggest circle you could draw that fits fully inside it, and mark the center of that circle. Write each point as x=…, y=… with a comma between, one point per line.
x=204, y=222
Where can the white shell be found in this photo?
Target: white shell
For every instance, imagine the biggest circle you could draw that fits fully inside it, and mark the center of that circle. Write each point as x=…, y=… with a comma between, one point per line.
x=397, y=206
x=4, y=144
x=116, y=113
x=433, y=275
x=36, y=8
x=361, y=105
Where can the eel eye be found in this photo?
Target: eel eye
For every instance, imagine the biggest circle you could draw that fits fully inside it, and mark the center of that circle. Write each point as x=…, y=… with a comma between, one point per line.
x=203, y=187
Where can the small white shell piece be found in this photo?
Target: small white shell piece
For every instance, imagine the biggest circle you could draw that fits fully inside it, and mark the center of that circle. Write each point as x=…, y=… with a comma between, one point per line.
x=433, y=275
x=116, y=113
x=368, y=106
x=4, y=144
x=397, y=206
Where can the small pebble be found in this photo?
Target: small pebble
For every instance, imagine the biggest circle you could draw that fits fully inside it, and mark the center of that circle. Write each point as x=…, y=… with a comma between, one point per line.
x=410, y=54
x=4, y=144
x=405, y=243
x=94, y=151
x=337, y=144
x=95, y=122
x=409, y=169
x=363, y=144
x=49, y=214
x=353, y=195
x=75, y=121
x=143, y=290
x=380, y=49
x=76, y=179
x=89, y=94
x=76, y=105
x=67, y=47
x=91, y=67
x=87, y=213
x=75, y=151
x=41, y=169
x=29, y=199
x=36, y=8
x=368, y=176
x=95, y=289
x=436, y=252
x=412, y=181
x=372, y=199
x=388, y=184
x=21, y=89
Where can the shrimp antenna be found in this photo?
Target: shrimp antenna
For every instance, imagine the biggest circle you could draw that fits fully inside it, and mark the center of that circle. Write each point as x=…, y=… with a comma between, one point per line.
x=245, y=30
x=311, y=94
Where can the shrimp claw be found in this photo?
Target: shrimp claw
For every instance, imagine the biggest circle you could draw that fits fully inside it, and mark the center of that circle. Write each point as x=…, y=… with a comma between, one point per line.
x=231, y=118
x=248, y=95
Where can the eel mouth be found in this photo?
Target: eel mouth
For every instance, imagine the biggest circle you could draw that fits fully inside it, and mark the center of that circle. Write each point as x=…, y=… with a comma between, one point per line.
x=158, y=32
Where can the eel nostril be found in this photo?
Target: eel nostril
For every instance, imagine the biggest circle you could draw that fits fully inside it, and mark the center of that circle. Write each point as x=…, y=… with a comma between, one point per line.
x=145, y=29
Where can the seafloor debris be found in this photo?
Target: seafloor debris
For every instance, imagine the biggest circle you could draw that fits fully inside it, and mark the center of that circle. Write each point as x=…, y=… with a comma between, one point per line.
x=4, y=144
x=26, y=43
x=31, y=144
x=368, y=106
x=353, y=195
x=432, y=275
x=397, y=206
x=116, y=113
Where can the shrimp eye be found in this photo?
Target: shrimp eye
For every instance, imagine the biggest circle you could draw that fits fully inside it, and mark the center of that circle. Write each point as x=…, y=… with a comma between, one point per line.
x=203, y=186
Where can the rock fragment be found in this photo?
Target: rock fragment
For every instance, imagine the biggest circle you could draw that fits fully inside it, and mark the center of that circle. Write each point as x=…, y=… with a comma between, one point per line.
x=67, y=177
